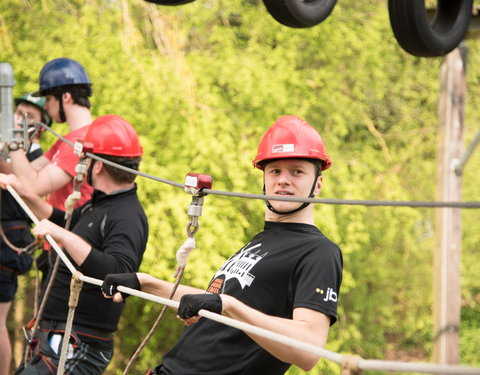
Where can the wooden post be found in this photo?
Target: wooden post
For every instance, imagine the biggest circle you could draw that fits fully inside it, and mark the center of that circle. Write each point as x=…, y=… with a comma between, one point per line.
x=448, y=220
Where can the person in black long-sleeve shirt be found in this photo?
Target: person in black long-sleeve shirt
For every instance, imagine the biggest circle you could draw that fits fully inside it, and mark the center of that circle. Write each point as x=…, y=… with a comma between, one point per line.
x=109, y=234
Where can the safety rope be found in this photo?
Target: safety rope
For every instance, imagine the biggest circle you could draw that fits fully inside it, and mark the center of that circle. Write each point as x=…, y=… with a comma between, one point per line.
x=194, y=184
x=80, y=169
x=351, y=202
x=80, y=150
x=75, y=289
x=294, y=343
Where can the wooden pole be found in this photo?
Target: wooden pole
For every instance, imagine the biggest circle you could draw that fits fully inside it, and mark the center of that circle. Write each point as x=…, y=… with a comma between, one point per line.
x=448, y=220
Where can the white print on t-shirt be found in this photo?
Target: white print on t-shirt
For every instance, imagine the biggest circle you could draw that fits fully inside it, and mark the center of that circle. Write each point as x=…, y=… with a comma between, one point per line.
x=330, y=296
x=240, y=264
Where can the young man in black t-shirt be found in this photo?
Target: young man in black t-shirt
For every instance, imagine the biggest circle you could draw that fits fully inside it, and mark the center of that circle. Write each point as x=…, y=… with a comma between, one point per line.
x=286, y=279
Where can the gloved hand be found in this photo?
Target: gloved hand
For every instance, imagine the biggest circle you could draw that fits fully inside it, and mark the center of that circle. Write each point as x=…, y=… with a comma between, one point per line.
x=191, y=304
x=113, y=280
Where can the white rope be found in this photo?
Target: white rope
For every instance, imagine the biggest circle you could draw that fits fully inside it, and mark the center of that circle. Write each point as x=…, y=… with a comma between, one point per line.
x=34, y=219
x=430, y=368
x=184, y=251
x=323, y=353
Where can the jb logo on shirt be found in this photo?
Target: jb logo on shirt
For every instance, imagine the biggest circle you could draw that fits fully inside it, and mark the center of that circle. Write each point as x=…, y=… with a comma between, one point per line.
x=329, y=296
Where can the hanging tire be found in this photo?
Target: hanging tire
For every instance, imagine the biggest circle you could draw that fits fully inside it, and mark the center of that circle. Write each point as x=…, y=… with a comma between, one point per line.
x=300, y=13
x=170, y=2
x=422, y=37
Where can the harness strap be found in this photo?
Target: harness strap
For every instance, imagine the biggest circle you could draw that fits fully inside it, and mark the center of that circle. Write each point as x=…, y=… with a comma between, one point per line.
x=81, y=330
x=8, y=273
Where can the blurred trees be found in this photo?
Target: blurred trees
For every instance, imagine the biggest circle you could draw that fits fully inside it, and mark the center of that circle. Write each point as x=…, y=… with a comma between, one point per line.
x=202, y=82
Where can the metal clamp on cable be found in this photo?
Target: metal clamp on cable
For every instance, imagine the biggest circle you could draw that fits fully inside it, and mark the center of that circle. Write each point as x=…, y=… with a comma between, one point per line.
x=194, y=184
x=80, y=149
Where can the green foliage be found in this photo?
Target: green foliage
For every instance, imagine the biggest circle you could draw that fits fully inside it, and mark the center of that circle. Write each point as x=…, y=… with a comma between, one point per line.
x=202, y=82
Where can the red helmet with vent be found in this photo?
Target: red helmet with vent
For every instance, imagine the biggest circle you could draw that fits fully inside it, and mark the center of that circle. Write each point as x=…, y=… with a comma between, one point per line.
x=291, y=137
x=113, y=135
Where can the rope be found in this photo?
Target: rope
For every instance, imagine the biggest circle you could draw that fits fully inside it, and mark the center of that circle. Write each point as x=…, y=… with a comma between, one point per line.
x=351, y=202
x=194, y=211
x=75, y=289
x=71, y=201
x=155, y=324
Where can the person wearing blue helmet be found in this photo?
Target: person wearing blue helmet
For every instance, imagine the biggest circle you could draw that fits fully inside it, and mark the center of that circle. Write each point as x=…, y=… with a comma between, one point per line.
x=16, y=227
x=67, y=88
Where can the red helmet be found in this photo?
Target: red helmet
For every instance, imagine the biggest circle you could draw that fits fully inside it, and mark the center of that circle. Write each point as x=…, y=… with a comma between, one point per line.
x=113, y=135
x=291, y=137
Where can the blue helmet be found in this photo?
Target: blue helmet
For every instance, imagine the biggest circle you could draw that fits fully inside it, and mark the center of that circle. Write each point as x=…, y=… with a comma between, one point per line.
x=62, y=72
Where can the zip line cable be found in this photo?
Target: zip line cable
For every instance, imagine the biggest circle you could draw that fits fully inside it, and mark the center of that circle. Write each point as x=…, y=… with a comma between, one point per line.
x=351, y=202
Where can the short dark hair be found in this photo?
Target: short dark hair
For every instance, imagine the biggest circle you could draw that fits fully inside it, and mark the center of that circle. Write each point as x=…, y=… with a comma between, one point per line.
x=119, y=175
x=80, y=93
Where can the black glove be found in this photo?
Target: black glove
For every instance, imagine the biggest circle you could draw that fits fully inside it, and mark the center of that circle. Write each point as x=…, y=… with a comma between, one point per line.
x=113, y=280
x=191, y=304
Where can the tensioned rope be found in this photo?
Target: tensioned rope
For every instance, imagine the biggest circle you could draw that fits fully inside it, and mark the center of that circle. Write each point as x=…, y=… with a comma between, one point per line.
x=352, y=202
x=359, y=363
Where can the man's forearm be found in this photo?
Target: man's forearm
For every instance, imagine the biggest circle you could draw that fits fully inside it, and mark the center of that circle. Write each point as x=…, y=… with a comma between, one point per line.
x=39, y=207
x=163, y=288
x=21, y=167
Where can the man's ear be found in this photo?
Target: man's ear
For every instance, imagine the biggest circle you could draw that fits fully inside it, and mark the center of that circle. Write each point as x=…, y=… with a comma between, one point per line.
x=318, y=185
x=67, y=98
x=98, y=167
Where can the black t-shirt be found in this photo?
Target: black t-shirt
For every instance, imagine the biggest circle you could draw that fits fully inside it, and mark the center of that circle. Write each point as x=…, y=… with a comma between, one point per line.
x=286, y=266
x=116, y=227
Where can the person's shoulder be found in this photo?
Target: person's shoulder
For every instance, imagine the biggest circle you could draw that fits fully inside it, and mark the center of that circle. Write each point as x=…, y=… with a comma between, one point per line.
x=322, y=242
x=77, y=134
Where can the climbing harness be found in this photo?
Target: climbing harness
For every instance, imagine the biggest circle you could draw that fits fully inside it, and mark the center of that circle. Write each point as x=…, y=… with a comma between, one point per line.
x=194, y=184
x=80, y=149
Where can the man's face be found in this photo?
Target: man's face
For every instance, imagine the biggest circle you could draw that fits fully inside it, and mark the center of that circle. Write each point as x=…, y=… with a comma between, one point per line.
x=52, y=106
x=290, y=177
x=33, y=113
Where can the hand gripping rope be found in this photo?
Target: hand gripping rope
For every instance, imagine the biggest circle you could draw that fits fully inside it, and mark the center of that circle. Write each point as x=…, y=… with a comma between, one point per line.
x=21, y=140
x=80, y=149
x=194, y=184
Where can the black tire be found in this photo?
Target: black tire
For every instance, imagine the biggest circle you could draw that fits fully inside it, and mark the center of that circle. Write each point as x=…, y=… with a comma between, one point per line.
x=422, y=37
x=298, y=13
x=170, y=2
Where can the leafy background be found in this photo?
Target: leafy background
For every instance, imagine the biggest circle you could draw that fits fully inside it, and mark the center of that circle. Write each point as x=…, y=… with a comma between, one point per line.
x=202, y=82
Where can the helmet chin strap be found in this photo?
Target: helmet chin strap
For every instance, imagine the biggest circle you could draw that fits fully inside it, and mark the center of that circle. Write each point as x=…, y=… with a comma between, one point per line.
x=302, y=206
x=61, y=111
x=90, y=172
